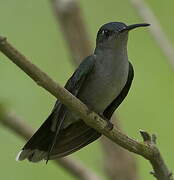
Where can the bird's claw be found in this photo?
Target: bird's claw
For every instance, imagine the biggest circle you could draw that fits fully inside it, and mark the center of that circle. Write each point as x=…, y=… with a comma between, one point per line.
x=109, y=125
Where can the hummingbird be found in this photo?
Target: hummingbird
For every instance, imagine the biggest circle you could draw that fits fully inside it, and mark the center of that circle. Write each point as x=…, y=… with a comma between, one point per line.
x=102, y=81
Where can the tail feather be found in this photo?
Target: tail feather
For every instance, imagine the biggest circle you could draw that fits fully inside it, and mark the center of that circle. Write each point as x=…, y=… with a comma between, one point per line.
x=69, y=140
x=42, y=137
x=74, y=138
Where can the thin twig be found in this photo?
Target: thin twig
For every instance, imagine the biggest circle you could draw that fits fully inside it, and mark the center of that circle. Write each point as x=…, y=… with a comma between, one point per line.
x=18, y=126
x=156, y=30
x=148, y=151
x=71, y=21
x=160, y=170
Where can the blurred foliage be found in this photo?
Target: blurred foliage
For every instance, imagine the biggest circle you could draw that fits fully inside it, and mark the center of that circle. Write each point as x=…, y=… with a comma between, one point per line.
x=32, y=28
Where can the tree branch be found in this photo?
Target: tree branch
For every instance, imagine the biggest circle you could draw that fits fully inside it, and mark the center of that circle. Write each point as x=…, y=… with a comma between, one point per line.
x=148, y=150
x=18, y=126
x=156, y=30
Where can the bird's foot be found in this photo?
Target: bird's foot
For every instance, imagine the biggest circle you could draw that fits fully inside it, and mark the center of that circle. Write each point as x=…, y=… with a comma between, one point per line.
x=109, y=125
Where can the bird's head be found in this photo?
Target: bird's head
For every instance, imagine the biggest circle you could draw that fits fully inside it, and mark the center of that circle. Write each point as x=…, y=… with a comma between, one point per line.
x=115, y=34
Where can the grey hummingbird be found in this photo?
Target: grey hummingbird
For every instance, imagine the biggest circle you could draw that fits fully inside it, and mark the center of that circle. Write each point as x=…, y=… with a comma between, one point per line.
x=101, y=81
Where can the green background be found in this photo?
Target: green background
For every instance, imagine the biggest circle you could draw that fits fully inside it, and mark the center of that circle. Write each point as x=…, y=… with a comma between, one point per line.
x=31, y=27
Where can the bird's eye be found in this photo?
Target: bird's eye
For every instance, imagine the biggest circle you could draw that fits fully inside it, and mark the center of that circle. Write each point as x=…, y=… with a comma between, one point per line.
x=106, y=33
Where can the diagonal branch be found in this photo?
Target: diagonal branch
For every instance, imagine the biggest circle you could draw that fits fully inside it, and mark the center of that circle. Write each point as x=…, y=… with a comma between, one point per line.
x=17, y=125
x=148, y=150
x=156, y=30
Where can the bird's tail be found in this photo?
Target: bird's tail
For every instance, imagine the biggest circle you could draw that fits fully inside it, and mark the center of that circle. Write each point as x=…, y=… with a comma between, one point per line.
x=69, y=140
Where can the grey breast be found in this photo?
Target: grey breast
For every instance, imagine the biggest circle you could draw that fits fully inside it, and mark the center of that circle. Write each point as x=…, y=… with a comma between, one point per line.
x=102, y=86
x=105, y=82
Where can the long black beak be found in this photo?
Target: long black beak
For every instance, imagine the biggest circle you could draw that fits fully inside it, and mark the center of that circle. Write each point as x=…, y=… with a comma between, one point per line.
x=133, y=26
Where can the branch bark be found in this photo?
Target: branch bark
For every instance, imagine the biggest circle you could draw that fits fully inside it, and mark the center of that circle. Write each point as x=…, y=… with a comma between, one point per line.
x=18, y=126
x=156, y=30
x=69, y=16
x=147, y=149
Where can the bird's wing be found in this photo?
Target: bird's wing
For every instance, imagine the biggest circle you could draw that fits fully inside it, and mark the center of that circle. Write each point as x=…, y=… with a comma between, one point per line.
x=42, y=143
x=73, y=138
x=119, y=99
x=73, y=85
